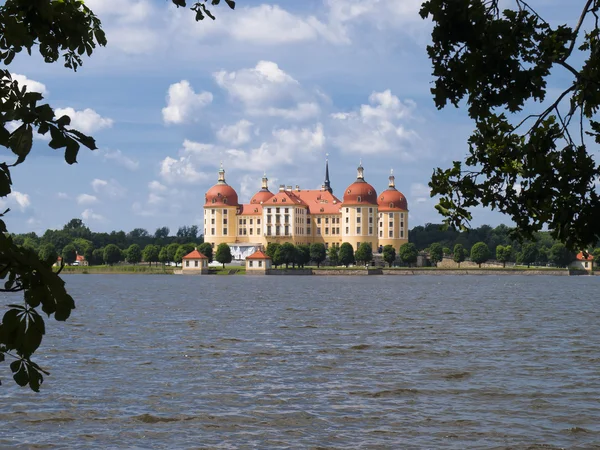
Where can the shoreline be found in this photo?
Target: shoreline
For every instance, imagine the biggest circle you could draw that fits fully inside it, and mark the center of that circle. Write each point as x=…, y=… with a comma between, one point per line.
x=396, y=271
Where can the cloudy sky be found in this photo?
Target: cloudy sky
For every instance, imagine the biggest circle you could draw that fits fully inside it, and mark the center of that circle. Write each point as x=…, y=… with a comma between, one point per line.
x=270, y=87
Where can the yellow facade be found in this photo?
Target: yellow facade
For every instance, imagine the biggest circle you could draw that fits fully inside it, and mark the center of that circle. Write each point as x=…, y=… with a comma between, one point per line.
x=306, y=216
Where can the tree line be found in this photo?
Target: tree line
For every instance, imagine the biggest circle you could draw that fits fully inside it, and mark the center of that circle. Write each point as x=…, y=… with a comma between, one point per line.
x=75, y=238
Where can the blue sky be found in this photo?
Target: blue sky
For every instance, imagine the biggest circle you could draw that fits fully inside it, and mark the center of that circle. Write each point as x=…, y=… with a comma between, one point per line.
x=271, y=86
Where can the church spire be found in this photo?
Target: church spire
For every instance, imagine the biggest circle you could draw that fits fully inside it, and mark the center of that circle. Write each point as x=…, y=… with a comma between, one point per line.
x=327, y=184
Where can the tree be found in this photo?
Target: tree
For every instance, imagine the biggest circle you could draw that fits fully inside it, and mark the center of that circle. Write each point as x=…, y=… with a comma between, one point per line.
x=436, y=253
x=333, y=256
x=67, y=30
x=97, y=256
x=207, y=250
x=364, y=253
x=534, y=166
x=171, y=251
x=503, y=254
x=447, y=251
x=48, y=254
x=529, y=254
x=287, y=253
x=346, y=254
x=318, y=253
x=389, y=254
x=223, y=254
x=459, y=254
x=560, y=255
x=302, y=255
x=596, y=254
x=163, y=255
x=112, y=254
x=272, y=248
x=69, y=254
x=150, y=253
x=179, y=254
x=408, y=253
x=480, y=253
x=133, y=254
x=161, y=233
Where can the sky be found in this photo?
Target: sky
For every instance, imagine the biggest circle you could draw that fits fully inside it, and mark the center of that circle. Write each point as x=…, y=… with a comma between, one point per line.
x=272, y=87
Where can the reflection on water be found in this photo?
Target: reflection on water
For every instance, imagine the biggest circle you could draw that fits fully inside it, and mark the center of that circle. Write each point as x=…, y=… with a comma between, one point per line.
x=316, y=362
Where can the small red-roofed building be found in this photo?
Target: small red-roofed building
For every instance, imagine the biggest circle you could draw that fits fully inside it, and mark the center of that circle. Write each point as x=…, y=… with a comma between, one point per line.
x=583, y=262
x=80, y=260
x=194, y=263
x=258, y=263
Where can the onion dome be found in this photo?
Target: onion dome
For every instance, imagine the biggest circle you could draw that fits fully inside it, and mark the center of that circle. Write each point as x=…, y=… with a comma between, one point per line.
x=221, y=194
x=264, y=194
x=392, y=199
x=360, y=192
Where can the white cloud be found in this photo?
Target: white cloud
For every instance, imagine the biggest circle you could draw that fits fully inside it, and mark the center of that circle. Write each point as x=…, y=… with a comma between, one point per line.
x=86, y=199
x=237, y=134
x=63, y=195
x=112, y=188
x=420, y=192
x=122, y=160
x=376, y=128
x=87, y=121
x=182, y=170
x=267, y=90
x=183, y=103
x=156, y=186
x=15, y=198
x=89, y=214
x=32, y=86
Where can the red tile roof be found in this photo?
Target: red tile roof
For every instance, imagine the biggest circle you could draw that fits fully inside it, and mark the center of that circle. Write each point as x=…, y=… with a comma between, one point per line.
x=284, y=198
x=195, y=255
x=249, y=210
x=320, y=202
x=259, y=254
x=80, y=258
x=580, y=257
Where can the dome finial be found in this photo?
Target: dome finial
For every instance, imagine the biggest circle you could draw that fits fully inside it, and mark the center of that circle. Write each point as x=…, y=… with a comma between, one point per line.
x=360, y=176
x=265, y=181
x=392, y=182
x=222, y=174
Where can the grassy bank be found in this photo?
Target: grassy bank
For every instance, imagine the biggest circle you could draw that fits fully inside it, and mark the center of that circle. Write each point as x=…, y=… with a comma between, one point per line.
x=123, y=269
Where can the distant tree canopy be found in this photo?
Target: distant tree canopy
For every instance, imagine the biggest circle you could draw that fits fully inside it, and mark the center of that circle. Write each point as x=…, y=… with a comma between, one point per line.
x=223, y=254
x=389, y=254
x=480, y=253
x=408, y=253
x=318, y=253
x=346, y=254
x=364, y=253
x=533, y=163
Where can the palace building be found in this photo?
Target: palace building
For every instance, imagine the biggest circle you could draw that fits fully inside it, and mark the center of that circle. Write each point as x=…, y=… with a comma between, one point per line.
x=306, y=216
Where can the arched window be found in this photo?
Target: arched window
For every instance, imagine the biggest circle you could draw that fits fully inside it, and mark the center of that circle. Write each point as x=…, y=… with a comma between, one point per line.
x=214, y=200
x=358, y=199
x=391, y=205
x=225, y=200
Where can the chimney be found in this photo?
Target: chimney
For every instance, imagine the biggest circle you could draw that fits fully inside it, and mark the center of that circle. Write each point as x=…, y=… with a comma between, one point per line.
x=281, y=187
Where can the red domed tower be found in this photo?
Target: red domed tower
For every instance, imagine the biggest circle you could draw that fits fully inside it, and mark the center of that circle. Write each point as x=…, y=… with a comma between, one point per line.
x=220, y=207
x=359, y=212
x=264, y=194
x=393, y=216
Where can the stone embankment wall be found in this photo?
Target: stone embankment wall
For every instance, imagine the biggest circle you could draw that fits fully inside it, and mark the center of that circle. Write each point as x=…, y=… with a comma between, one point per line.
x=448, y=263
x=289, y=272
x=347, y=272
x=474, y=272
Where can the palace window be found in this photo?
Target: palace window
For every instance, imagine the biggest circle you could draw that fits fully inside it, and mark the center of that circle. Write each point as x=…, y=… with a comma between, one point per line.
x=347, y=210
x=358, y=219
x=337, y=230
x=358, y=199
x=318, y=220
x=391, y=233
x=380, y=224
x=225, y=200
x=225, y=212
x=390, y=224
x=370, y=210
x=308, y=230
x=268, y=210
x=380, y=233
x=251, y=220
x=287, y=230
x=401, y=233
x=370, y=220
x=318, y=231
x=225, y=221
x=240, y=221
x=257, y=221
x=357, y=210
x=212, y=211
x=224, y=230
x=287, y=210
x=268, y=230
x=277, y=210
x=308, y=221
x=326, y=230
x=347, y=230
x=212, y=231
x=251, y=230
x=391, y=215
x=347, y=219
x=212, y=221
x=258, y=231
x=214, y=200
x=402, y=215
x=326, y=219
x=357, y=230
x=401, y=224
x=370, y=230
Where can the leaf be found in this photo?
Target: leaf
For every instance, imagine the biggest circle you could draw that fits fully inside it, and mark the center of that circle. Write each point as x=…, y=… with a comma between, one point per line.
x=71, y=151
x=5, y=181
x=63, y=121
x=59, y=140
x=20, y=142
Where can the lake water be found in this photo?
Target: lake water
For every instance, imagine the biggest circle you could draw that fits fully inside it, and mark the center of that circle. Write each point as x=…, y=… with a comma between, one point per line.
x=217, y=362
